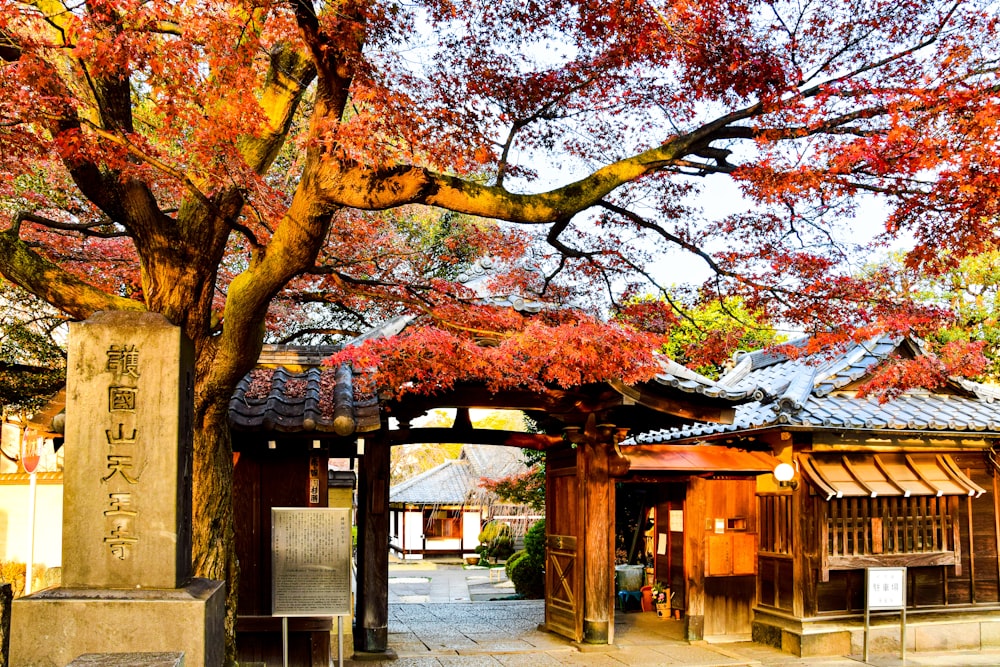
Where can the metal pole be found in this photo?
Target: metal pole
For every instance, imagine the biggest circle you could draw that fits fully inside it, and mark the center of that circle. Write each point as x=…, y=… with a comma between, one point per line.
x=340, y=641
x=902, y=624
x=867, y=616
x=284, y=641
x=32, y=477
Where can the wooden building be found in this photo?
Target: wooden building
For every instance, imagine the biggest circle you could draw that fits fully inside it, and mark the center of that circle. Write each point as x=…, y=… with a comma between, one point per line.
x=910, y=482
x=291, y=415
x=441, y=511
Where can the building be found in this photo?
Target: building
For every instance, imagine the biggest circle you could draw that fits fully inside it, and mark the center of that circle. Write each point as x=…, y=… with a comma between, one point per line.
x=442, y=510
x=909, y=483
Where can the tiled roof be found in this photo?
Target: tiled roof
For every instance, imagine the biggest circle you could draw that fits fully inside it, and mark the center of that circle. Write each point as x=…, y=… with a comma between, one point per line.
x=683, y=378
x=815, y=392
x=314, y=399
x=457, y=481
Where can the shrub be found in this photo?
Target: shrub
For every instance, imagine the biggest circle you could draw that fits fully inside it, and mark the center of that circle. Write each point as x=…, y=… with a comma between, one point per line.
x=534, y=540
x=496, y=536
x=528, y=577
x=513, y=559
x=526, y=569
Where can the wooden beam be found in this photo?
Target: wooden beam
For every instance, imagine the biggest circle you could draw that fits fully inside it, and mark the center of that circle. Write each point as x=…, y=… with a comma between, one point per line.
x=597, y=488
x=695, y=508
x=922, y=559
x=475, y=436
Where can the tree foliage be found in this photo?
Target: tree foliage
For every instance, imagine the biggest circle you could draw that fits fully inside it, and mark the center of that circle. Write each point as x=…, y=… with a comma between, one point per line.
x=32, y=360
x=705, y=335
x=231, y=165
x=526, y=488
x=970, y=290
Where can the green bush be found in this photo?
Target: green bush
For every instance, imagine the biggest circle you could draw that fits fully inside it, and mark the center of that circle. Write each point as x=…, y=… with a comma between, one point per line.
x=497, y=539
x=526, y=569
x=528, y=577
x=513, y=559
x=534, y=540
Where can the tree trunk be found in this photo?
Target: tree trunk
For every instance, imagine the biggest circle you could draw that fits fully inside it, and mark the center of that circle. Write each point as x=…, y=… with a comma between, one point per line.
x=213, y=531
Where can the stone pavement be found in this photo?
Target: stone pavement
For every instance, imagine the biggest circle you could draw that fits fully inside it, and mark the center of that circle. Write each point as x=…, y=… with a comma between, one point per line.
x=447, y=616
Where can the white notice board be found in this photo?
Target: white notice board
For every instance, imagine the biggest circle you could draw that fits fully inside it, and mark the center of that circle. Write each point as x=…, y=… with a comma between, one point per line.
x=310, y=561
x=886, y=587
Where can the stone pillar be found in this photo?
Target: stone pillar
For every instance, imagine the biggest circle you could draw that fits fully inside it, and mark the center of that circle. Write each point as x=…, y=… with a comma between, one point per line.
x=371, y=631
x=127, y=499
x=127, y=505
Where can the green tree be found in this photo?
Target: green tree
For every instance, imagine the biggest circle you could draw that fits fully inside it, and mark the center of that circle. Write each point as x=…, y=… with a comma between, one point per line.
x=707, y=333
x=32, y=360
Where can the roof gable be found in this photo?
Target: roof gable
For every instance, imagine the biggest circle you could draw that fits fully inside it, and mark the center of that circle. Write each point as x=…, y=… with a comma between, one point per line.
x=819, y=391
x=456, y=481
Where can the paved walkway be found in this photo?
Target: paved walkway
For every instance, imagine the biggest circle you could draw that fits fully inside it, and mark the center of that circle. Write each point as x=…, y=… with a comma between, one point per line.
x=446, y=616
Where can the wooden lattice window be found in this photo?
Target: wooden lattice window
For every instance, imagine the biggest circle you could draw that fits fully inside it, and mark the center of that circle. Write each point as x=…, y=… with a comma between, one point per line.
x=775, y=517
x=920, y=530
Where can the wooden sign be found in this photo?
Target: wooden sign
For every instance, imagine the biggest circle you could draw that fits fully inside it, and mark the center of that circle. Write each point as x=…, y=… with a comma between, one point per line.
x=310, y=561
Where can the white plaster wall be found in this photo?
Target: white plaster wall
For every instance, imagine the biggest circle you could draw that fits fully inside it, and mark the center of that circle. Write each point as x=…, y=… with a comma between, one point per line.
x=444, y=544
x=413, y=530
x=395, y=540
x=14, y=527
x=471, y=526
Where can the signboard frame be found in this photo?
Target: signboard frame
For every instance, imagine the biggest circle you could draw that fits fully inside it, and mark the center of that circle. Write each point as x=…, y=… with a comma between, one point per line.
x=885, y=590
x=317, y=568
x=325, y=553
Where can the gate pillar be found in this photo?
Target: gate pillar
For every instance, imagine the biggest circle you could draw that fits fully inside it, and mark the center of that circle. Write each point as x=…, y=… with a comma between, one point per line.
x=598, y=540
x=580, y=532
x=371, y=625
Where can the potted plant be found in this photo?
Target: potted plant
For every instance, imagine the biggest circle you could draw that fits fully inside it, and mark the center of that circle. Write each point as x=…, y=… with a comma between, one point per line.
x=661, y=599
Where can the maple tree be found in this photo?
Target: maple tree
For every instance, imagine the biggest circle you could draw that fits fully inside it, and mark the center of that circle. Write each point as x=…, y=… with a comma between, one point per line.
x=971, y=291
x=229, y=163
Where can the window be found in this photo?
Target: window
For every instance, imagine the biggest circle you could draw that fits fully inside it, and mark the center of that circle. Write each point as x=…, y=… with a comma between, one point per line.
x=890, y=526
x=442, y=523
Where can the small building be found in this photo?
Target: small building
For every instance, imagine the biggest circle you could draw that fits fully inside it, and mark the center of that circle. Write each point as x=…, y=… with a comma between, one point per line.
x=910, y=482
x=442, y=510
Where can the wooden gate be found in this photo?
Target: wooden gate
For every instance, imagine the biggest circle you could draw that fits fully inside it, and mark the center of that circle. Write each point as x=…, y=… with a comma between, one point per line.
x=563, y=564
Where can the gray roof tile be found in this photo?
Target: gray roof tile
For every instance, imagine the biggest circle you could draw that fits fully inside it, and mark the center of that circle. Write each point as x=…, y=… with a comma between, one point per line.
x=456, y=481
x=804, y=392
x=317, y=399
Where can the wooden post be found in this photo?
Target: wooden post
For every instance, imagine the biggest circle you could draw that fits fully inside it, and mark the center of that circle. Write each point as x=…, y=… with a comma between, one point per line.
x=694, y=557
x=598, y=535
x=804, y=552
x=372, y=608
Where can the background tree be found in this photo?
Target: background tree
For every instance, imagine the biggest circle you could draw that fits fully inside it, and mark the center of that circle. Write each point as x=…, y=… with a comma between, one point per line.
x=203, y=159
x=32, y=358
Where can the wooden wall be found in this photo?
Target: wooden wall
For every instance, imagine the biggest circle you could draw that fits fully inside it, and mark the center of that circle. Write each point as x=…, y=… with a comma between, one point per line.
x=973, y=581
x=263, y=479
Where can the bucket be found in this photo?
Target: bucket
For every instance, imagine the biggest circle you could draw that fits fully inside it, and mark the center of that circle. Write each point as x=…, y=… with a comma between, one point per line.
x=630, y=577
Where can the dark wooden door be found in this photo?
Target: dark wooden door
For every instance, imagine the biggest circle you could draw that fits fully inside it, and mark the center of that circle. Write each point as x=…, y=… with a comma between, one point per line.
x=563, y=567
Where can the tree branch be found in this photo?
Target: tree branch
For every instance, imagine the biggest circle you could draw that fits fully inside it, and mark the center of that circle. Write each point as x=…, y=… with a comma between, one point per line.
x=53, y=284
x=87, y=229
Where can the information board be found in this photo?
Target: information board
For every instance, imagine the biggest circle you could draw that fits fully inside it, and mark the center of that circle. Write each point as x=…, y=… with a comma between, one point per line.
x=310, y=561
x=886, y=587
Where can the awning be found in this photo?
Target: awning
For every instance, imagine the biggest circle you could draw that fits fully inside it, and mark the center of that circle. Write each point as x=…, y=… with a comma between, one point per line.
x=896, y=474
x=696, y=459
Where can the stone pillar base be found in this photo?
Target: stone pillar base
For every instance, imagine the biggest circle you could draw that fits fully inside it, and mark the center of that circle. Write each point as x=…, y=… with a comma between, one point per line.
x=53, y=627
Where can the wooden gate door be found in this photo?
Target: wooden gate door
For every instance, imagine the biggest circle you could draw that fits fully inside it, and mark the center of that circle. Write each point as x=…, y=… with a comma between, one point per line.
x=563, y=565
